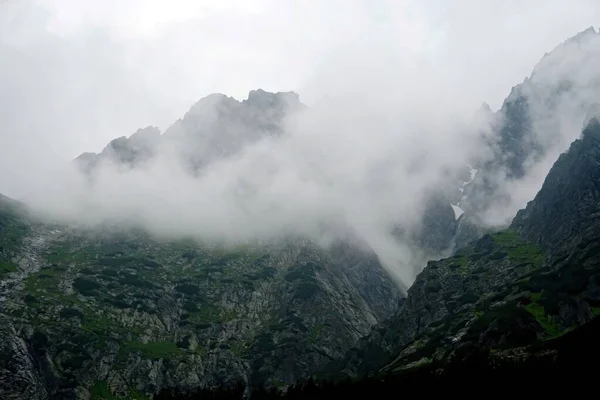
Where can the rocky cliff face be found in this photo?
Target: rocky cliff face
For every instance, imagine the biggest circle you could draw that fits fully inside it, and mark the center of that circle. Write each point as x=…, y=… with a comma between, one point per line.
x=540, y=118
x=89, y=312
x=564, y=210
x=509, y=290
x=108, y=313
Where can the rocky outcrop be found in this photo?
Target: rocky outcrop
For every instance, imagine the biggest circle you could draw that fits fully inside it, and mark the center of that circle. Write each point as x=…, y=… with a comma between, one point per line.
x=122, y=313
x=540, y=118
x=19, y=376
x=215, y=127
x=508, y=290
x=566, y=208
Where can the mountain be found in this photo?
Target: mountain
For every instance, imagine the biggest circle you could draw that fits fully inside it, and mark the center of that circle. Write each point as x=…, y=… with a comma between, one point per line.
x=215, y=127
x=115, y=312
x=105, y=310
x=110, y=308
x=509, y=291
x=536, y=122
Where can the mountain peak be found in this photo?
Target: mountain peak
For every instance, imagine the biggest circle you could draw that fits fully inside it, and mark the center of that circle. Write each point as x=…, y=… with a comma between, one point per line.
x=584, y=34
x=592, y=129
x=261, y=99
x=574, y=47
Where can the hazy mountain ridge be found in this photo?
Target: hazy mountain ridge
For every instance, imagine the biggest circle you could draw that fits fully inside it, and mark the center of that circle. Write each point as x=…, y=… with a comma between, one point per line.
x=509, y=290
x=536, y=122
x=87, y=311
x=139, y=315
x=216, y=126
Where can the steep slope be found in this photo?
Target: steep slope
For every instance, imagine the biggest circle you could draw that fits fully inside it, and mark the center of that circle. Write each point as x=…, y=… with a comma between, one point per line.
x=509, y=290
x=564, y=212
x=215, y=127
x=218, y=127
x=119, y=311
x=538, y=119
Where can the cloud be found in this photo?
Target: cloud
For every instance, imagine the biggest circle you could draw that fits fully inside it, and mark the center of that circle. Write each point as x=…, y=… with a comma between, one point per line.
x=336, y=170
x=550, y=110
x=393, y=89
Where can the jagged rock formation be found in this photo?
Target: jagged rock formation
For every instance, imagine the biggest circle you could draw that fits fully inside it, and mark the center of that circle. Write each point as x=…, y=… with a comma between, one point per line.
x=509, y=290
x=119, y=313
x=538, y=119
x=215, y=127
x=91, y=311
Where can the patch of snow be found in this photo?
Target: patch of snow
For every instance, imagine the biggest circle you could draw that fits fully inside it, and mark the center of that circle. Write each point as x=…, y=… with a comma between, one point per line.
x=473, y=172
x=457, y=211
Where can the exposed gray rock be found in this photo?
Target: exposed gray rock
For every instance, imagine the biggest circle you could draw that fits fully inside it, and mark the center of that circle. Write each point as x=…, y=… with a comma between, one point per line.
x=511, y=289
x=127, y=313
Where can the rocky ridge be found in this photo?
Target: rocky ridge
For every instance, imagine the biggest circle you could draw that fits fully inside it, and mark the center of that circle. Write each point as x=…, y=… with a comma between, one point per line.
x=86, y=312
x=93, y=314
x=509, y=290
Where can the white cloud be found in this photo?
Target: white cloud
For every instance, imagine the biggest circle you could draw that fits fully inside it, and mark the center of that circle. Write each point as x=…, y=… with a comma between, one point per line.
x=405, y=79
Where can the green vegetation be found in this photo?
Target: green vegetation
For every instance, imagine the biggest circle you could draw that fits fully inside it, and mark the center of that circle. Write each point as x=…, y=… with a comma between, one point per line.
x=507, y=238
x=7, y=267
x=264, y=342
x=134, y=280
x=102, y=324
x=315, y=332
x=527, y=254
x=30, y=300
x=131, y=261
x=85, y=286
x=265, y=273
x=136, y=395
x=596, y=311
x=240, y=349
x=97, y=324
x=151, y=350
x=507, y=325
x=200, y=351
x=227, y=315
x=58, y=257
x=304, y=279
x=70, y=313
x=100, y=391
x=297, y=274
x=206, y=313
x=551, y=329
x=12, y=228
x=461, y=263
x=45, y=280
x=278, y=383
x=187, y=289
x=519, y=251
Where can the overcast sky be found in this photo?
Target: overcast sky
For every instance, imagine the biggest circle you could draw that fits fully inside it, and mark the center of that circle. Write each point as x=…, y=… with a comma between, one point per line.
x=76, y=73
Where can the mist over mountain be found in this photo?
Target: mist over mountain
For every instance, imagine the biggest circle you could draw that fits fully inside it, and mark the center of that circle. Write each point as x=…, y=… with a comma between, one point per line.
x=373, y=220
x=269, y=166
x=537, y=122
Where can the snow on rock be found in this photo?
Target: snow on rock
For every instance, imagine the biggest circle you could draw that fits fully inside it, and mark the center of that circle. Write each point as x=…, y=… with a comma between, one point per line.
x=473, y=172
x=457, y=211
